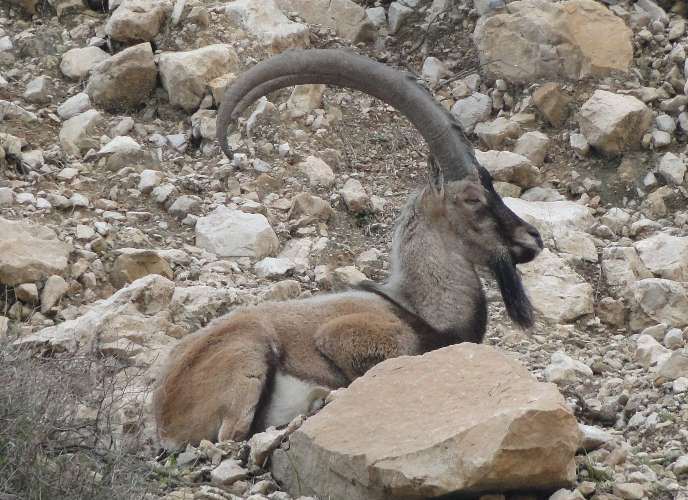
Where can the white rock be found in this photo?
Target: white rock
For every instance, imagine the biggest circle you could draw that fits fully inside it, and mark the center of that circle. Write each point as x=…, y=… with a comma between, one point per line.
x=558, y=293
x=672, y=168
x=78, y=63
x=272, y=267
x=613, y=122
x=74, y=105
x=121, y=144
x=665, y=255
x=680, y=385
x=7, y=197
x=674, y=339
x=675, y=366
x=77, y=133
x=54, y=289
x=397, y=15
x=233, y=233
x=563, y=368
x=509, y=167
x=304, y=99
x=433, y=69
x=593, y=437
x=264, y=20
x=472, y=110
x=649, y=352
x=355, y=196
x=580, y=145
x=228, y=472
x=656, y=300
x=534, y=146
x=319, y=173
x=149, y=179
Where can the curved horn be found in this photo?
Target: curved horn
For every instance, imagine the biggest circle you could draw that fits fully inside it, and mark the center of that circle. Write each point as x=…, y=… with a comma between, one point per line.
x=445, y=138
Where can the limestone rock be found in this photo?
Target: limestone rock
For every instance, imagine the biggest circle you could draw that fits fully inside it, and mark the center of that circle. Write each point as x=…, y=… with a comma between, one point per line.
x=77, y=64
x=38, y=90
x=558, y=293
x=622, y=266
x=308, y=209
x=346, y=17
x=29, y=252
x=228, y=472
x=355, y=197
x=612, y=122
x=304, y=99
x=134, y=263
x=533, y=145
x=77, y=134
x=649, y=352
x=657, y=300
x=264, y=20
x=125, y=80
x=474, y=439
x=271, y=267
x=496, y=132
x=672, y=168
x=54, y=289
x=552, y=103
x=472, y=110
x=319, y=173
x=537, y=39
x=553, y=218
x=665, y=255
x=186, y=75
x=136, y=21
x=563, y=368
x=676, y=366
x=509, y=167
x=73, y=106
x=233, y=233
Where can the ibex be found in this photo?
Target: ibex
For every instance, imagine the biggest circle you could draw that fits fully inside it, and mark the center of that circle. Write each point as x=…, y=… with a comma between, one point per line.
x=262, y=365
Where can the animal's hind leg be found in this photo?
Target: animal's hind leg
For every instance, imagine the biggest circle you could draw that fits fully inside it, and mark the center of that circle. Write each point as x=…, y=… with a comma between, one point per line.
x=357, y=342
x=244, y=387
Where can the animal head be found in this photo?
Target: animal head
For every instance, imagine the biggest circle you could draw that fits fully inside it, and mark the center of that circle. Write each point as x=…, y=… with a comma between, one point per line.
x=459, y=188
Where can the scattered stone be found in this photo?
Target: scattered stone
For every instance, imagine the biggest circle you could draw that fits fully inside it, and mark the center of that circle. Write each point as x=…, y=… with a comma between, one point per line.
x=134, y=263
x=665, y=255
x=228, y=472
x=233, y=233
x=509, y=167
x=73, y=106
x=55, y=288
x=304, y=99
x=271, y=267
x=125, y=80
x=77, y=134
x=319, y=173
x=38, y=90
x=472, y=110
x=672, y=168
x=563, y=368
x=136, y=21
x=497, y=132
x=397, y=15
x=355, y=197
x=186, y=75
x=30, y=253
x=534, y=146
x=552, y=103
x=27, y=293
x=612, y=123
x=649, y=352
x=76, y=64
x=264, y=20
x=308, y=209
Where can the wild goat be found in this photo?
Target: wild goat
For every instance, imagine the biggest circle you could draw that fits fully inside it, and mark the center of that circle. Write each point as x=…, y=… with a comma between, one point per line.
x=262, y=365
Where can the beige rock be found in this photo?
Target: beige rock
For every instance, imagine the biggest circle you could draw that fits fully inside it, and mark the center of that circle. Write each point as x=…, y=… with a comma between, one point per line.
x=552, y=103
x=30, y=253
x=27, y=293
x=534, y=146
x=622, y=266
x=233, y=233
x=656, y=300
x=136, y=21
x=487, y=425
x=186, y=75
x=675, y=366
x=78, y=63
x=264, y=20
x=558, y=293
x=4, y=327
x=537, y=39
x=78, y=134
x=125, y=80
x=308, y=209
x=355, y=197
x=134, y=263
x=496, y=132
x=347, y=17
x=612, y=122
x=319, y=173
x=304, y=99
x=510, y=167
x=665, y=255
x=54, y=289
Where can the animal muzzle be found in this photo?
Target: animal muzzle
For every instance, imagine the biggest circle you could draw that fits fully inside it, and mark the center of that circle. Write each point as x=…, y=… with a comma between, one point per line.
x=526, y=243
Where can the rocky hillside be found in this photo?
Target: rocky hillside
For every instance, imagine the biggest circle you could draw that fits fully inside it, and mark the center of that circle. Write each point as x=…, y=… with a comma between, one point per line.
x=124, y=228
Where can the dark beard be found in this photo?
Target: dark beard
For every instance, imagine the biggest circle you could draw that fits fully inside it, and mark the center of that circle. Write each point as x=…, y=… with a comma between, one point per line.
x=518, y=305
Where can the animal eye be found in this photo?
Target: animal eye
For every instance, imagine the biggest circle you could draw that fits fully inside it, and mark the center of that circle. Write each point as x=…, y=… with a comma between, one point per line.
x=473, y=201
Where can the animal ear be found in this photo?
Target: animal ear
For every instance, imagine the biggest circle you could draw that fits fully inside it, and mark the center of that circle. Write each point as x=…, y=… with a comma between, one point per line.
x=436, y=179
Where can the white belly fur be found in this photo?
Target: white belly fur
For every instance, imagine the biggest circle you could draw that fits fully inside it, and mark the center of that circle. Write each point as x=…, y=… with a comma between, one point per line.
x=290, y=397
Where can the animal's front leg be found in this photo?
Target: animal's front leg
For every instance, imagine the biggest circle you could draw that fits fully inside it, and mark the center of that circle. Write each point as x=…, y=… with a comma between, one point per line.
x=356, y=342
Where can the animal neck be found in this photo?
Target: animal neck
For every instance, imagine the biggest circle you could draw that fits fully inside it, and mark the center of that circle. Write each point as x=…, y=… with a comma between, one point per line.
x=432, y=277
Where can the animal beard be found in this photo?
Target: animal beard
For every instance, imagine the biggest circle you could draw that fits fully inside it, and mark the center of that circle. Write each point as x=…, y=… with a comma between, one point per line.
x=518, y=305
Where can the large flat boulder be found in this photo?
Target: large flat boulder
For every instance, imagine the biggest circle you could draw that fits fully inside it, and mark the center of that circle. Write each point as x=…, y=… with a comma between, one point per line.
x=536, y=39
x=462, y=419
x=665, y=255
x=346, y=17
x=30, y=252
